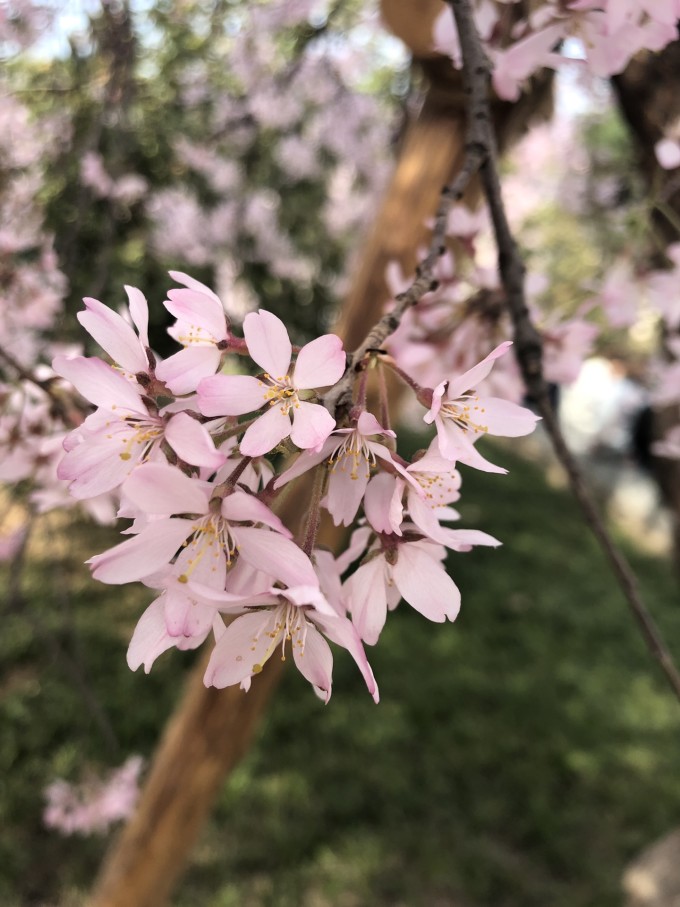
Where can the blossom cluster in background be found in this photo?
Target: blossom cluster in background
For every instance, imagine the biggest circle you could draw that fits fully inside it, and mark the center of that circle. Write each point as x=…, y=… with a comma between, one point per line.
x=94, y=805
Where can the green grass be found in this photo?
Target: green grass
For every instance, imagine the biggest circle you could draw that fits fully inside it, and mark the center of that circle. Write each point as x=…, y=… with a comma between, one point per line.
x=518, y=758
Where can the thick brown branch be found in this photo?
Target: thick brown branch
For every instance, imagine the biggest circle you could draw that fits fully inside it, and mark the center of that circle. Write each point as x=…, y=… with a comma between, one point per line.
x=528, y=346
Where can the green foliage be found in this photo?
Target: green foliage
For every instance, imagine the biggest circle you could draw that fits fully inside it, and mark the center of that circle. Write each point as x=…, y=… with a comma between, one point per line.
x=518, y=758
x=121, y=94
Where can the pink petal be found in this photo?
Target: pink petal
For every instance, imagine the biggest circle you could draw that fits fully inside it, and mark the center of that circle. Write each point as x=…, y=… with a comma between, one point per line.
x=424, y=517
x=307, y=460
x=276, y=556
x=437, y=395
x=265, y=433
x=315, y=662
x=191, y=441
x=425, y=585
x=501, y=417
x=312, y=424
x=185, y=369
x=465, y=539
x=320, y=363
x=199, y=310
x=358, y=543
x=382, y=511
x=242, y=650
x=470, y=379
x=142, y=555
x=346, y=488
x=99, y=383
x=268, y=342
x=341, y=631
x=139, y=312
x=367, y=424
x=96, y=466
x=464, y=451
x=150, y=638
x=309, y=595
x=368, y=599
x=185, y=616
x=193, y=284
x=162, y=490
x=244, y=507
x=231, y=395
x=114, y=335
x=206, y=572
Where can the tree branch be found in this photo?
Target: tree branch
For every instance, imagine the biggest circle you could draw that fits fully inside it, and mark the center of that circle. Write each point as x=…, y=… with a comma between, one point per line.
x=528, y=345
x=424, y=281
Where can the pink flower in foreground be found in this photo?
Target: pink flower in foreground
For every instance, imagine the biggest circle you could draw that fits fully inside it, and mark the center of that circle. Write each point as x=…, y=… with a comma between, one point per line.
x=462, y=416
x=319, y=364
x=299, y=616
x=203, y=330
x=123, y=432
x=215, y=536
x=409, y=570
x=114, y=334
x=351, y=454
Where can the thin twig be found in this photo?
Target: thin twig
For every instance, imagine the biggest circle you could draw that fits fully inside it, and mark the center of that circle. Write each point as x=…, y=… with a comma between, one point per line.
x=71, y=411
x=424, y=282
x=528, y=345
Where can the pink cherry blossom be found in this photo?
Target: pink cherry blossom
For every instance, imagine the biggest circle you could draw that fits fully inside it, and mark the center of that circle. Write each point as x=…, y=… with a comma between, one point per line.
x=215, y=535
x=300, y=615
x=123, y=432
x=319, y=364
x=203, y=330
x=462, y=416
x=409, y=570
x=94, y=805
x=114, y=334
x=351, y=454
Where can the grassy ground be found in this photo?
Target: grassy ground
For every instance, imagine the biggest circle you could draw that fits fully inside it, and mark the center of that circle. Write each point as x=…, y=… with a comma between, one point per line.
x=519, y=757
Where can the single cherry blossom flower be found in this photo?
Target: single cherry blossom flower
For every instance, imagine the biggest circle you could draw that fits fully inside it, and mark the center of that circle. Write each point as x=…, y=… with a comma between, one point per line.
x=319, y=364
x=123, y=432
x=409, y=570
x=437, y=485
x=202, y=328
x=299, y=615
x=351, y=454
x=462, y=416
x=214, y=534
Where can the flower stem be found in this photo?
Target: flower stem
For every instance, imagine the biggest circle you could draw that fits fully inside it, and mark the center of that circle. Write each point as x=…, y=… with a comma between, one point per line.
x=314, y=512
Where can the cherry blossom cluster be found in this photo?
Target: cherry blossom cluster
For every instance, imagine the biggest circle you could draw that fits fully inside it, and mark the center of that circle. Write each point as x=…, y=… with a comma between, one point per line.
x=283, y=111
x=197, y=451
x=466, y=317
x=32, y=289
x=605, y=33
x=95, y=804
